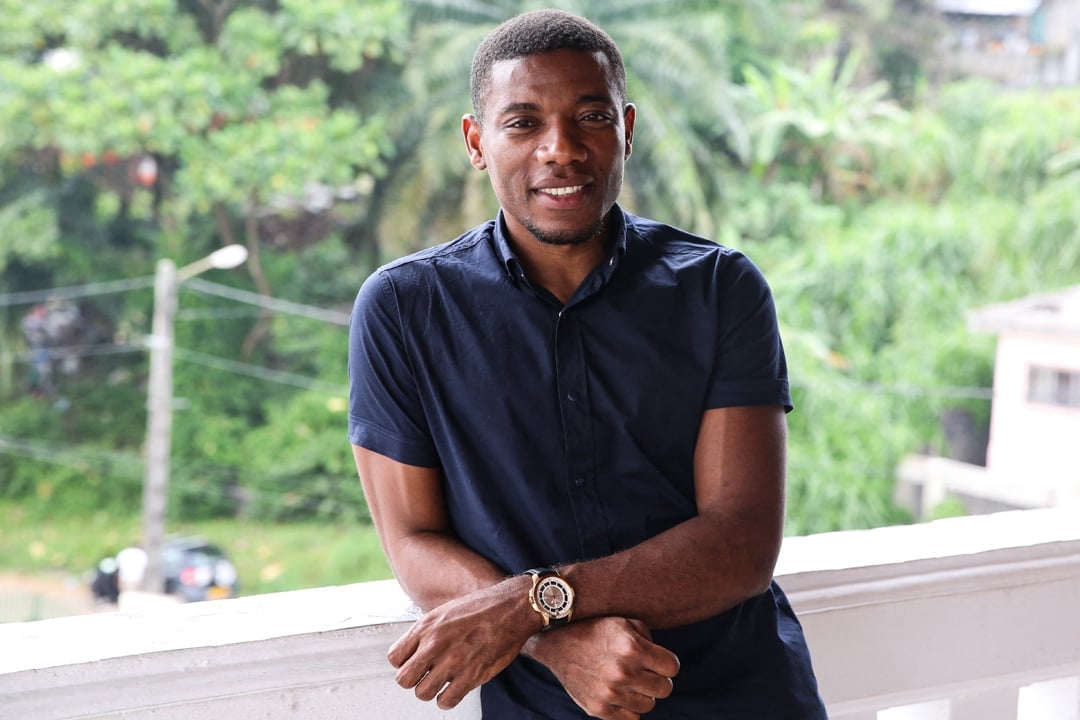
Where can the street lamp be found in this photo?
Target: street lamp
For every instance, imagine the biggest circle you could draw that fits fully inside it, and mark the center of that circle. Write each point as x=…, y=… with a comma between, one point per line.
x=159, y=405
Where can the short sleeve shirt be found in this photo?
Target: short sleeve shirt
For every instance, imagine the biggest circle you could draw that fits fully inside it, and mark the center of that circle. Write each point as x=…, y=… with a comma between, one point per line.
x=565, y=432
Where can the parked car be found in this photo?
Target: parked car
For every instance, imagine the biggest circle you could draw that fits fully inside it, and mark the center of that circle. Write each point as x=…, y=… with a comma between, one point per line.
x=197, y=570
x=193, y=569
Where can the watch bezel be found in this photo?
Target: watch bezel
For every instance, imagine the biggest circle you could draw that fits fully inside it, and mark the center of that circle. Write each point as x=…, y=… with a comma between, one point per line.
x=550, y=614
x=555, y=581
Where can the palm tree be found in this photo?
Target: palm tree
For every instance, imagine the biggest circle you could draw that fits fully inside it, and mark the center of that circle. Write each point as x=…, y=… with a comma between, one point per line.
x=679, y=74
x=820, y=126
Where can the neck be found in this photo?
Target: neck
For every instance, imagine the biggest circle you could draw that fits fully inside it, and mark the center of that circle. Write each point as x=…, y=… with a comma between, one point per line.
x=560, y=269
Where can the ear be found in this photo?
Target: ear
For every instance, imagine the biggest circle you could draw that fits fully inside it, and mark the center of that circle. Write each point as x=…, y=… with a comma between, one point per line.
x=629, y=115
x=471, y=130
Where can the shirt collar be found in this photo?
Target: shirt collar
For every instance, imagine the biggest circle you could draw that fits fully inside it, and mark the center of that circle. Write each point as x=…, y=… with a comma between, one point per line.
x=611, y=262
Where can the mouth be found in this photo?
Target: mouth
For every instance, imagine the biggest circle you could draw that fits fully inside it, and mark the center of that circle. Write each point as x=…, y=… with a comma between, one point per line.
x=561, y=191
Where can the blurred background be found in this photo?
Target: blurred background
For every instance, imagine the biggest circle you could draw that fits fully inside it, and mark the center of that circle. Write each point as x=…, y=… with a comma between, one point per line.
x=894, y=166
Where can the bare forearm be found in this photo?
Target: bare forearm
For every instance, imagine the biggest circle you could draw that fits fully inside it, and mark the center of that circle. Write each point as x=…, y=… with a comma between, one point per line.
x=715, y=560
x=691, y=572
x=434, y=568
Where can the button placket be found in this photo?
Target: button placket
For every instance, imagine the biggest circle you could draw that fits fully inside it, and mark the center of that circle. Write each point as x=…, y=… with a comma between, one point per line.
x=574, y=402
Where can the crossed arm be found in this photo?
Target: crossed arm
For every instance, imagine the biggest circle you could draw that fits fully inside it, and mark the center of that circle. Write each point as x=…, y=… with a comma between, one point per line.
x=477, y=620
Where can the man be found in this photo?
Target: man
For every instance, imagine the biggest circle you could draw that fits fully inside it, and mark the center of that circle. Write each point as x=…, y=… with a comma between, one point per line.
x=569, y=426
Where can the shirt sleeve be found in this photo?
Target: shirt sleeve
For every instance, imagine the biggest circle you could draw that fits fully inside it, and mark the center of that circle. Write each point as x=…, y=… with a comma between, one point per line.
x=386, y=415
x=750, y=367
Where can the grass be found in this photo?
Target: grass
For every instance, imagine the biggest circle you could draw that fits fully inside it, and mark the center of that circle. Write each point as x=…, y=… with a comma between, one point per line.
x=269, y=557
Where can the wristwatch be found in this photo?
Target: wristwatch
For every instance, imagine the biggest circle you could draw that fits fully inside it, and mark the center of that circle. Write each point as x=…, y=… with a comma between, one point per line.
x=551, y=596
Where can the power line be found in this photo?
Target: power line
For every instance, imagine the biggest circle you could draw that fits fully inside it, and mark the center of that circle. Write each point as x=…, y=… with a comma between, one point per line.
x=79, y=458
x=192, y=356
x=75, y=291
x=283, y=306
x=953, y=392
x=288, y=307
x=73, y=351
x=216, y=314
x=340, y=318
x=261, y=373
x=121, y=464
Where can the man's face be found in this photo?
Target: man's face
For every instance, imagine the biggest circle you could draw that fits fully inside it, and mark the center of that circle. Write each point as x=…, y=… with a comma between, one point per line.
x=554, y=139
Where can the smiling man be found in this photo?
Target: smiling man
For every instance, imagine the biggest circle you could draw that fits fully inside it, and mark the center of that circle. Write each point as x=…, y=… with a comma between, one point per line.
x=569, y=425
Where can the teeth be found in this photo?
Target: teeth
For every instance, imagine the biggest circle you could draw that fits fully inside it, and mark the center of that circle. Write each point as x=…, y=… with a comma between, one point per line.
x=561, y=191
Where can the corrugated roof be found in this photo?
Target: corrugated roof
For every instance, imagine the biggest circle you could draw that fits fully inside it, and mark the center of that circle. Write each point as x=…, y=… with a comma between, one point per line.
x=1057, y=313
x=989, y=7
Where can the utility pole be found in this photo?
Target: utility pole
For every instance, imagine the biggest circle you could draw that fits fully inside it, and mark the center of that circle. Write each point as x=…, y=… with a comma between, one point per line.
x=159, y=405
x=159, y=422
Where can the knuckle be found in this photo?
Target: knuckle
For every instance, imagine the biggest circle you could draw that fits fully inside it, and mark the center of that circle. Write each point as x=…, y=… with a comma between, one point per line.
x=606, y=696
x=595, y=708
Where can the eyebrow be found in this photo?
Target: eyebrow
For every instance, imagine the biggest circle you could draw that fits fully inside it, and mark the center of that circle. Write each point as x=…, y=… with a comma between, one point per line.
x=518, y=107
x=533, y=107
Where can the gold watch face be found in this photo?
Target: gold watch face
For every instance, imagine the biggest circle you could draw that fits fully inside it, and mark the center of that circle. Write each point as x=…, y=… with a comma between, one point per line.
x=555, y=596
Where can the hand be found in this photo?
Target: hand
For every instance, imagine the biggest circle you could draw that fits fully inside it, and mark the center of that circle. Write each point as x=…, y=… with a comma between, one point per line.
x=610, y=666
x=463, y=643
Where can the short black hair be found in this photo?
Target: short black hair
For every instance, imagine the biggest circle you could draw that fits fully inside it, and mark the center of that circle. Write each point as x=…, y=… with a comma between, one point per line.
x=537, y=32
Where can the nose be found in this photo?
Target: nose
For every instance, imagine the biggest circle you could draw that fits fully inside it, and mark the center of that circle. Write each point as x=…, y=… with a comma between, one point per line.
x=561, y=144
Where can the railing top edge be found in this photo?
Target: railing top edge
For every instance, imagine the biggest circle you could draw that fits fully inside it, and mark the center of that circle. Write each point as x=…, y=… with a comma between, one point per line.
x=1025, y=531
x=156, y=627
x=1044, y=538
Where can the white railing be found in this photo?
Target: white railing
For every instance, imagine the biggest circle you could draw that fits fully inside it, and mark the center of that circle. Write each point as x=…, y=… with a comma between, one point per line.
x=961, y=619
x=965, y=619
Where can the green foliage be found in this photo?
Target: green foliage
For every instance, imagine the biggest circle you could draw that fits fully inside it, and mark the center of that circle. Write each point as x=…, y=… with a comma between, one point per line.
x=819, y=127
x=50, y=479
x=300, y=465
x=28, y=231
x=161, y=127
x=874, y=300
x=324, y=136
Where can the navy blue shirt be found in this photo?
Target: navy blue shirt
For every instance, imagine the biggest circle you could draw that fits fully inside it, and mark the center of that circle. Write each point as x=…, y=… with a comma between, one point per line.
x=567, y=432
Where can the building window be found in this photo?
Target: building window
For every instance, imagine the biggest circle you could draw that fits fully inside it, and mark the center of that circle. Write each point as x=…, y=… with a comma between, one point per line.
x=1051, y=386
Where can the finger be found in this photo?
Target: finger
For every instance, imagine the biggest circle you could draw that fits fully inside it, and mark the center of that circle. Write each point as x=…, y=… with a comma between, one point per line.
x=429, y=686
x=410, y=675
x=453, y=694
x=402, y=649
x=637, y=703
x=662, y=661
x=655, y=686
x=657, y=658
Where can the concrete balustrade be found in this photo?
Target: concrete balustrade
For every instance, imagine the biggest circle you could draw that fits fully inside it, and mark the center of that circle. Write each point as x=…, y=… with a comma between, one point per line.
x=960, y=619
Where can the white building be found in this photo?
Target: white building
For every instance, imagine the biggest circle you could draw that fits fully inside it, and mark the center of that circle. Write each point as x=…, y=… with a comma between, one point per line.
x=1033, y=456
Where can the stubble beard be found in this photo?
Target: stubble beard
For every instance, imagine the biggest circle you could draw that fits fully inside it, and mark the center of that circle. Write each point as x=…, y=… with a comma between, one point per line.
x=564, y=238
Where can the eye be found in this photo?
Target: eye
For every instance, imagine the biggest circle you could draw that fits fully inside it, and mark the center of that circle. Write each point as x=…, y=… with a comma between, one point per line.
x=595, y=118
x=520, y=124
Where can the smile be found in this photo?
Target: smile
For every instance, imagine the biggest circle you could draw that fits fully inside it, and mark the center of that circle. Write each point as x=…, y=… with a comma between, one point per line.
x=561, y=192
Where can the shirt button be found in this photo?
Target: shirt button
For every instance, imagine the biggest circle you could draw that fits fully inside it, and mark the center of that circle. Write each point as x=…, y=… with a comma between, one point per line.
x=571, y=397
x=579, y=482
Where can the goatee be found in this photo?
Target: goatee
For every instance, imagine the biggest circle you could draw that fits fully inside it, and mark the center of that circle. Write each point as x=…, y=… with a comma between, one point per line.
x=564, y=238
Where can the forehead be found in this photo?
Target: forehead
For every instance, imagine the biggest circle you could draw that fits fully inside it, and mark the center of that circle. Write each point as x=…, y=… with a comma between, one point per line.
x=551, y=75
